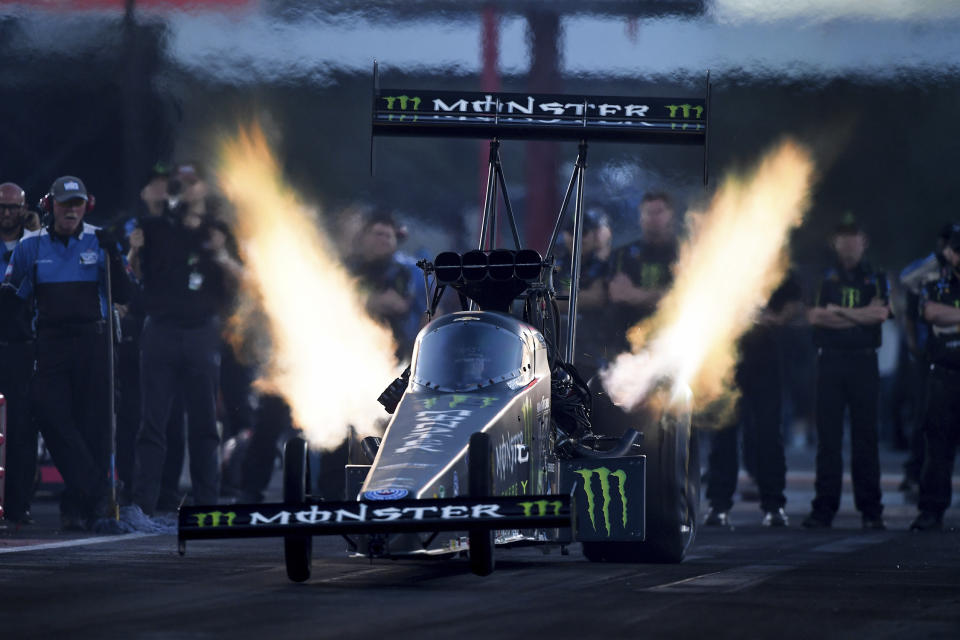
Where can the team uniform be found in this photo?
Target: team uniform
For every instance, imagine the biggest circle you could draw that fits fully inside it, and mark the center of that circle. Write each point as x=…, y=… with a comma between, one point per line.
x=941, y=427
x=16, y=369
x=848, y=377
x=594, y=329
x=648, y=266
x=390, y=274
x=67, y=278
x=758, y=418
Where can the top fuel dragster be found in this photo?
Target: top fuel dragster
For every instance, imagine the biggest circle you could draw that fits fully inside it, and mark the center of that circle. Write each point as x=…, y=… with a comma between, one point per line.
x=495, y=439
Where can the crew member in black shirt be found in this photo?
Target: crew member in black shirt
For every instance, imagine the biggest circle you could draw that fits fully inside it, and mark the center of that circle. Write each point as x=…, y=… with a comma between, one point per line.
x=16, y=368
x=851, y=305
x=941, y=429
x=640, y=273
x=758, y=417
x=185, y=288
x=594, y=329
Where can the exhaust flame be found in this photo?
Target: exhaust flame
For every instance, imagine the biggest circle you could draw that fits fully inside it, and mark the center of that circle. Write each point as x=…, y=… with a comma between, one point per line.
x=328, y=359
x=733, y=258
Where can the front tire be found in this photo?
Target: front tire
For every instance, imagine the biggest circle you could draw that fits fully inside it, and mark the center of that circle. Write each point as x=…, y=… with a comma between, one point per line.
x=480, y=475
x=297, y=550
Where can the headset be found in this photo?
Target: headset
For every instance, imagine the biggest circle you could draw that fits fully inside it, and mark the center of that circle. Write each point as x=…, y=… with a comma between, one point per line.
x=46, y=203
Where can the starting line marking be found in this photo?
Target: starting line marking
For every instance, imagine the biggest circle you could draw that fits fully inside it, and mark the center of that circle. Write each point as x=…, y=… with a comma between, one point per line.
x=75, y=543
x=729, y=580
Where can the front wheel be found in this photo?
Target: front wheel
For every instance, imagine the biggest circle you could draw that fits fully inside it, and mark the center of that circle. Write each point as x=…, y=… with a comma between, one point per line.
x=480, y=476
x=297, y=550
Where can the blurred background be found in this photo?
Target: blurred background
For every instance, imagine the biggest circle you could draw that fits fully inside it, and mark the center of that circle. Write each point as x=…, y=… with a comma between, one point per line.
x=106, y=88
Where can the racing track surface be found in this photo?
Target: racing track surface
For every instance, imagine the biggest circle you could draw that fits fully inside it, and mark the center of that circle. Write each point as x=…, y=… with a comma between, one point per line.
x=747, y=583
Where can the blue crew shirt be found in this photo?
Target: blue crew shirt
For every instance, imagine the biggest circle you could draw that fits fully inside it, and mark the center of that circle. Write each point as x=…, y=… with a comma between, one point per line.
x=67, y=276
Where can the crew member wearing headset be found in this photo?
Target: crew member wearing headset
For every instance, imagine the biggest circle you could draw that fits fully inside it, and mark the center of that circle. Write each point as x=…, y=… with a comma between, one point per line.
x=63, y=266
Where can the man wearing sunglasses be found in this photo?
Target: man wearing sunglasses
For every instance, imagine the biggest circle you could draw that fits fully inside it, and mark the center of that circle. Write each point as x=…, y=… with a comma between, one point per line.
x=16, y=366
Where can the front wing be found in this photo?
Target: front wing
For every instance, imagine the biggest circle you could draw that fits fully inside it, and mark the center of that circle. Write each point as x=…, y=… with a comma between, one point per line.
x=606, y=497
x=316, y=518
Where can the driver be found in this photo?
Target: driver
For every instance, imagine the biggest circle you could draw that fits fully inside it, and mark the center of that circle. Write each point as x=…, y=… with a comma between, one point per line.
x=469, y=364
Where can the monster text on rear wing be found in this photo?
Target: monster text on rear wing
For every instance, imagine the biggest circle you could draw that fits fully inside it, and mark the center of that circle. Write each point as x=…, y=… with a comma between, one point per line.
x=529, y=116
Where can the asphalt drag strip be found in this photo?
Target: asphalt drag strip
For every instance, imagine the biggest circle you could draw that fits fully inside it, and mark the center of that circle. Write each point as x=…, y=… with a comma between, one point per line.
x=750, y=582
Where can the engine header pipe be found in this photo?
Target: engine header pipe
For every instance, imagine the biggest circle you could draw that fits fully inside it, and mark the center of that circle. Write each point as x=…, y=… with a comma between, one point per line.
x=475, y=266
x=528, y=265
x=448, y=267
x=502, y=262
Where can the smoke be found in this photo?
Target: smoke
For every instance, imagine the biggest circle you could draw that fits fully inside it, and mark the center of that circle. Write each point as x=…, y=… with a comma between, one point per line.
x=733, y=258
x=326, y=357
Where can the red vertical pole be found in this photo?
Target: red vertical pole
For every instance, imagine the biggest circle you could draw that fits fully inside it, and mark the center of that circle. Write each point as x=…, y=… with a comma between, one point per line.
x=489, y=81
x=541, y=162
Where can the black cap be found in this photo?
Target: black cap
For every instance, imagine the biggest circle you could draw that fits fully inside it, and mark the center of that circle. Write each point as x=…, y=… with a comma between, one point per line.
x=848, y=225
x=67, y=188
x=594, y=218
x=946, y=230
x=954, y=240
x=160, y=170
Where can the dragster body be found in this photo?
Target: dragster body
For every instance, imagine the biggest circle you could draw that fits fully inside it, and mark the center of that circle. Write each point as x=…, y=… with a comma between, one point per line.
x=495, y=438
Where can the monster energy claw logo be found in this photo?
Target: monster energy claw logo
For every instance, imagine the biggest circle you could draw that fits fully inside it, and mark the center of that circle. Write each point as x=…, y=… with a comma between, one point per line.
x=214, y=518
x=849, y=297
x=542, y=507
x=604, y=474
x=402, y=102
x=685, y=111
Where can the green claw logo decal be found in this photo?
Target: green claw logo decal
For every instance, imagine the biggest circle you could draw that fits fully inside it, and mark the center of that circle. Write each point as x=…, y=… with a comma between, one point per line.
x=849, y=297
x=455, y=400
x=604, y=474
x=214, y=518
x=542, y=507
x=685, y=111
x=402, y=103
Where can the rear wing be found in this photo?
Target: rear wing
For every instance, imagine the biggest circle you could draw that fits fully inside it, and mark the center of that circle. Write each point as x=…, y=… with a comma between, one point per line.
x=540, y=116
x=500, y=116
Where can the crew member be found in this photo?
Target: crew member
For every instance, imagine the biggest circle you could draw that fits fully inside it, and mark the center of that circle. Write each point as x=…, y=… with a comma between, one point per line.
x=850, y=307
x=158, y=194
x=941, y=429
x=185, y=288
x=758, y=417
x=641, y=271
x=915, y=278
x=593, y=327
x=64, y=267
x=16, y=368
x=386, y=281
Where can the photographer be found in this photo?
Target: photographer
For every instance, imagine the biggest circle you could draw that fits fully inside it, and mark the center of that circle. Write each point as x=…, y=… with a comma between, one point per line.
x=64, y=268
x=185, y=287
x=160, y=190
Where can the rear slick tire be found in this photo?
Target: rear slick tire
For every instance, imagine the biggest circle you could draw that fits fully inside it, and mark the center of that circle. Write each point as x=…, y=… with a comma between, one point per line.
x=480, y=474
x=672, y=497
x=297, y=550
